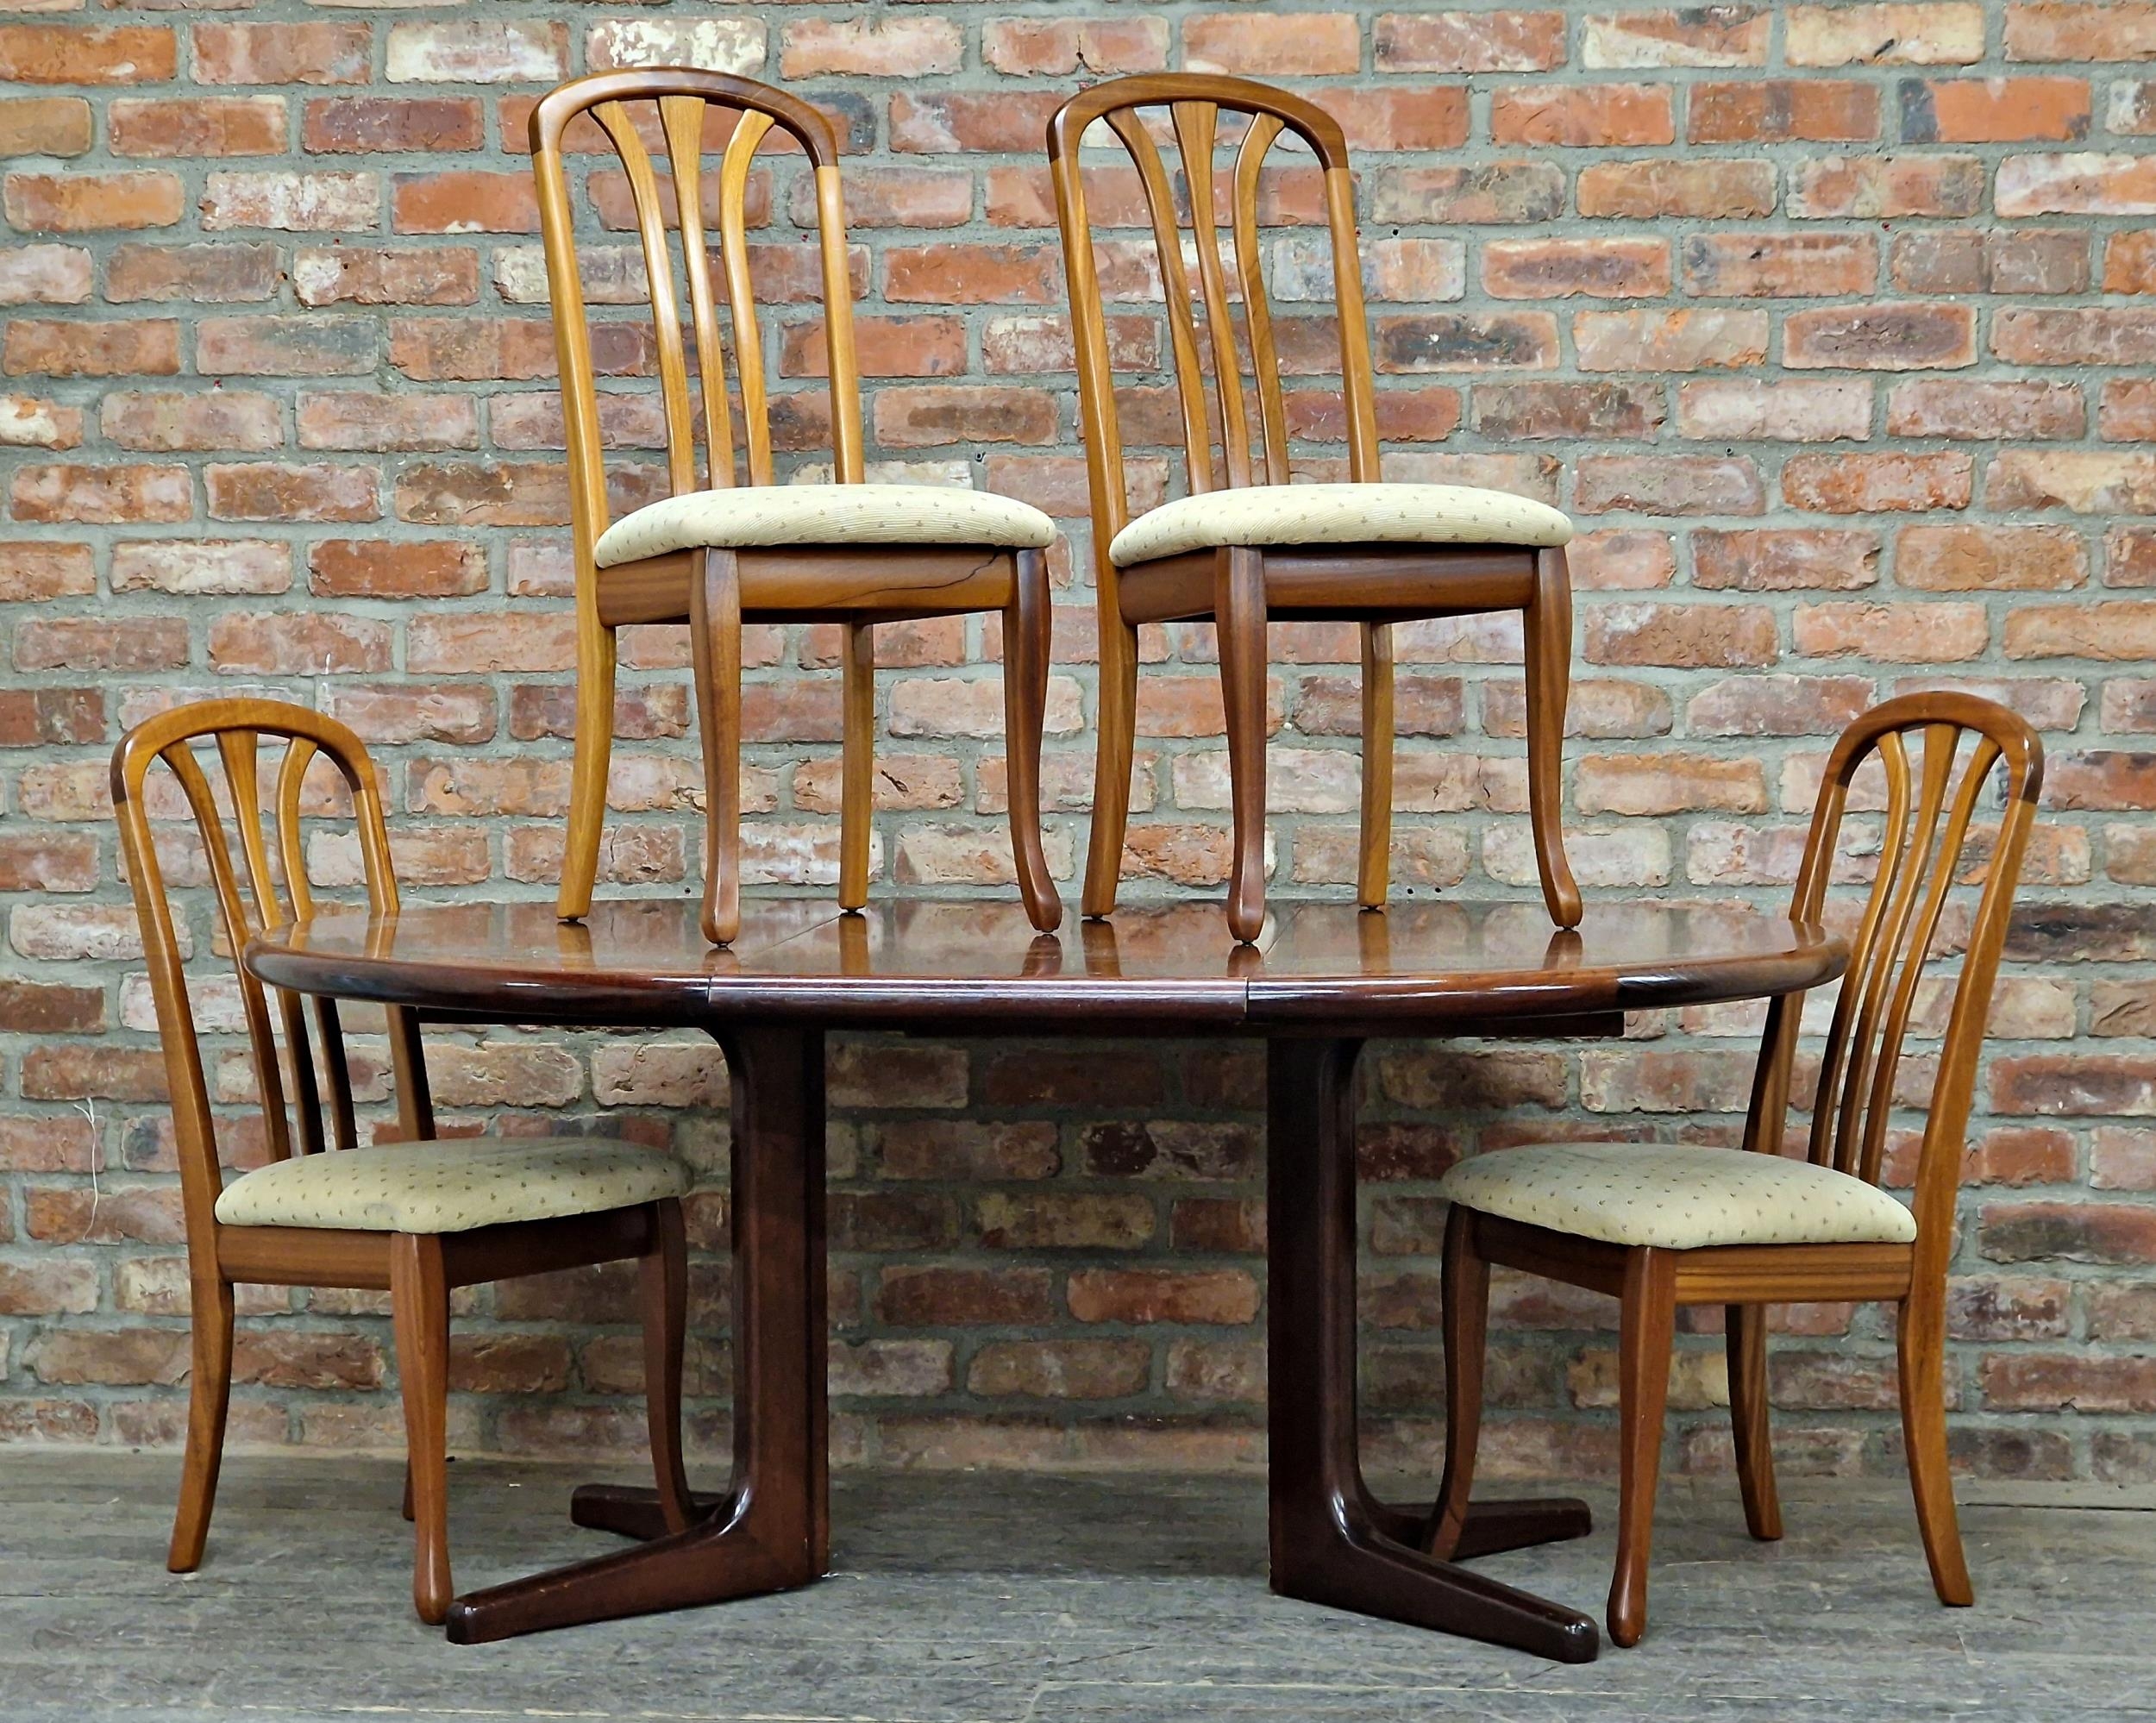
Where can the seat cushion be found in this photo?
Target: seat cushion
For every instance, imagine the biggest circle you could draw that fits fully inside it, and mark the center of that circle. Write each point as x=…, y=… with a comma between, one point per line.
x=824, y=514
x=450, y=1186
x=1677, y=1199
x=1339, y=513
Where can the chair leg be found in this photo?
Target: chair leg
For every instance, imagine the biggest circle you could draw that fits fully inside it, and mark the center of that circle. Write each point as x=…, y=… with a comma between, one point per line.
x=406, y=1507
x=662, y=1282
x=1547, y=623
x=857, y=767
x=593, y=751
x=1026, y=649
x=1921, y=1335
x=1466, y=1336
x=1373, y=874
x=1113, y=758
x=209, y=1394
x=715, y=648
x=1238, y=614
x=419, y=1312
x=1646, y=1337
x=1744, y=1327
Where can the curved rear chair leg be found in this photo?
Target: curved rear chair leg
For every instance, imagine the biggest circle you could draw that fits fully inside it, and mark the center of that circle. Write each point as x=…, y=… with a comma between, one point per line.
x=1922, y=1337
x=1745, y=1337
x=662, y=1283
x=1240, y=620
x=1113, y=758
x=593, y=750
x=858, y=768
x=419, y=1313
x=1026, y=630
x=209, y=1394
x=1466, y=1336
x=715, y=650
x=1547, y=623
x=1373, y=873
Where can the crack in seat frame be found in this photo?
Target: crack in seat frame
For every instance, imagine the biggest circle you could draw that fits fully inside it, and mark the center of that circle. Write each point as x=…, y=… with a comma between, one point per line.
x=1333, y=1541
x=716, y=590
x=1242, y=588
x=417, y=1269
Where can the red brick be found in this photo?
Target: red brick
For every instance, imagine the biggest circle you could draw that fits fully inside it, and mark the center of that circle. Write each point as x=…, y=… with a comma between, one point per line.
x=387, y=422
x=214, y=419
x=2095, y=334
x=1910, y=634
x=1995, y=109
x=1601, y=269
x=896, y=48
x=965, y=274
x=1469, y=42
x=2080, y=29
x=1583, y=114
x=1880, y=338
x=1261, y=45
x=1455, y=341
x=2088, y=483
x=1704, y=191
x=45, y=275
x=464, y=201
x=101, y=644
x=1055, y=47
x=282, y=54
x=46, y=125
x=1954, y=559
x=1986, y=411
x=68, y=54
x=445, y=275
x=1488, y=193
x=485, y=51
x=1865, y=483
x=1687, y=635
x=1777, y=110
x=203, y=273
x=1779, y=266
x=147, y=347
x=297, y=644
x=361, y=125
x=1668, y=485
x=1004, y=124
x=85, y=203
x=1792, y=409
x=1541, y=411
x=1705, y=339
x=2114, y=630
x=1940, y=33
x=127, y=495
x=228, y=125
x=291, y=203
x=1705, y=35
x=2080, y=184
x=1878, y=187
x=268, y=490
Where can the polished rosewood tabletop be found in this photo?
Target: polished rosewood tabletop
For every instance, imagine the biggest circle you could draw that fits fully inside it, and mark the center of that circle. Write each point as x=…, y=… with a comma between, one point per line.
x=980, y=967
x=1320, y=979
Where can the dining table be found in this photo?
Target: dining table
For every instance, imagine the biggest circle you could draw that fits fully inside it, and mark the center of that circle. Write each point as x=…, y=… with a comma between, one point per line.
x=1321, y=980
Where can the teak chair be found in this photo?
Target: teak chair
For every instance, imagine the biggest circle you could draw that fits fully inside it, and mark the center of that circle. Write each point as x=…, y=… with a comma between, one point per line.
x=413, y=1218
x=723, y=553
x=1244, y=547
x=1661, y=1227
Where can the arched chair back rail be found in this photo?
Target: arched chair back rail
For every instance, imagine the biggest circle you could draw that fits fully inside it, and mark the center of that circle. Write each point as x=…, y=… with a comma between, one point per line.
x=1747, y=1227
x=402, y=1214
x=728, y=543
x=1242, y=547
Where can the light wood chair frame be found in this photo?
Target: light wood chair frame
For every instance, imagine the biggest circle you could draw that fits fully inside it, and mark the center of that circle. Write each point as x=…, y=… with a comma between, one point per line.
x=1241, y=589
x=267, y=888
x=1850, y=1116
x=716, y=591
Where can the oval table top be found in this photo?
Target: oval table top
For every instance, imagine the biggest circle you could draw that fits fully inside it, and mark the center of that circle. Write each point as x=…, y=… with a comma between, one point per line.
x=978, y=967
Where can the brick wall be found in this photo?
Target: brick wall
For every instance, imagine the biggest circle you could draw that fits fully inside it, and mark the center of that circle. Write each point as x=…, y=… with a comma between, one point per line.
x=1826, y=322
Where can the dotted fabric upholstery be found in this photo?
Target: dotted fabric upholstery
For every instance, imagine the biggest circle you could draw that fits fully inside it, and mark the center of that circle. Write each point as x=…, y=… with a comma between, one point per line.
x=824, y=514
x=1339, y=513
x=450, y=1186
x=1676, y=1198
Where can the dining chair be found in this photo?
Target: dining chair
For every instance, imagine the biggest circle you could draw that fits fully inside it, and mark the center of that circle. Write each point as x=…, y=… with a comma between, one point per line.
x=1245, y=547
x=411, y=1216
x=1660, y=1227
x=720, y=552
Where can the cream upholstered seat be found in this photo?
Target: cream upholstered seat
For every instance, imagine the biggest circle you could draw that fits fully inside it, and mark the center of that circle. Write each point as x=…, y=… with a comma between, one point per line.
x=1677, y=1198
x=450, y=1186
x=746, y=515
x=1339, y=513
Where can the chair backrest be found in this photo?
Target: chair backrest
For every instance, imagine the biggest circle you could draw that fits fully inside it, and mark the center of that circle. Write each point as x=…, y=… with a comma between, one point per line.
x=1931, y=804
x=264, y=887
x=1193, y=105
x=671, y=108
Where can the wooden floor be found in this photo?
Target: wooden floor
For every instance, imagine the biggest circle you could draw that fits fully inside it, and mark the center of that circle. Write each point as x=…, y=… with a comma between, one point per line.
x=987, y=1598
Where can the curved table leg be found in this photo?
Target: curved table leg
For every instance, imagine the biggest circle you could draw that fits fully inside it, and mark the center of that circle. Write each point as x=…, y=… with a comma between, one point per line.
x=771, y=1530
x=1333, y=1542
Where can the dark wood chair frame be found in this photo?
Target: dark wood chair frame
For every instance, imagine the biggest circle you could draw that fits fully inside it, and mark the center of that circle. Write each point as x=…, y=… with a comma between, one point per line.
x=1241, y=589
x=1851, y=1109
x=417, y=1269
x=716, y=591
